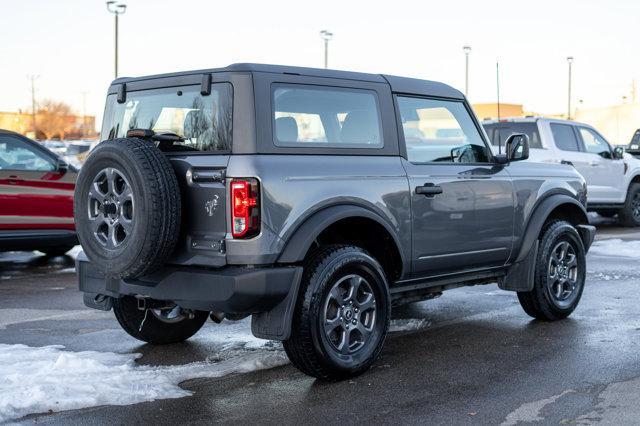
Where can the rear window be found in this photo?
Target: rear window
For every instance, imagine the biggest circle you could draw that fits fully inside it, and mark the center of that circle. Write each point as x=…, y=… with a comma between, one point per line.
x=501, y=131
x=315, y=116
x=205, y=122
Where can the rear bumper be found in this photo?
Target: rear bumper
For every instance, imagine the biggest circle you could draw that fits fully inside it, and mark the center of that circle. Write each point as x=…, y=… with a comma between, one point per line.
x=240, y=290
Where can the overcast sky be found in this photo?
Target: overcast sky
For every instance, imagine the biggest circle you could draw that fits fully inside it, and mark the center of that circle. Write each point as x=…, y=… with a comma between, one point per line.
x=69, y=43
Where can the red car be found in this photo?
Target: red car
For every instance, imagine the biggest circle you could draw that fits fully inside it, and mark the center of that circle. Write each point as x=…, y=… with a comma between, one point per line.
x=36, y=197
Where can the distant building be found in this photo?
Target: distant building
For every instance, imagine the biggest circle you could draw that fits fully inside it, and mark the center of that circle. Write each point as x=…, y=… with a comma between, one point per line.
x=490, y=111
x=77, y=126
x=617, y=123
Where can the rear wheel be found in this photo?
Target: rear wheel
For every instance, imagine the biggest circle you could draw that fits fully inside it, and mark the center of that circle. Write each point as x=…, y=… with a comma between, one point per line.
x=341, y=316
x=559, y=276
x=158, y=326
x=630, y=213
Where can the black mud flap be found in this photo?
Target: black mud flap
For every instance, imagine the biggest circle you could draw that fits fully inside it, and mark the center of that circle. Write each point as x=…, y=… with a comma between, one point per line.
x=521, y=275
x=98, y=301
x=276, y=323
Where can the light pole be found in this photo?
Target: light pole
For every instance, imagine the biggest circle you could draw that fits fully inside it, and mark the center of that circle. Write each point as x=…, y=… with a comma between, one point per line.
x=570, y=62
x=33, y=79
x=117, y=9
x=326, y=36
x=466, y=50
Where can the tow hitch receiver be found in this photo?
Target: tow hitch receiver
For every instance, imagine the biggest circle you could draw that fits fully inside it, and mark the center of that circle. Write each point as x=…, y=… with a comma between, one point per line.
x=146, y=303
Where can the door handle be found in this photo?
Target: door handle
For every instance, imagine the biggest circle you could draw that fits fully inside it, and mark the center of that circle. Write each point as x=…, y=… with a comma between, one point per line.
x=13, y=179
x=429, y=190
x=594, y=163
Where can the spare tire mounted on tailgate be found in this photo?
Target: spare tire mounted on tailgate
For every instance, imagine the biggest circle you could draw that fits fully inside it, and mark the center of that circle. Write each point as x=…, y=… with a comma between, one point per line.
x=127, y=207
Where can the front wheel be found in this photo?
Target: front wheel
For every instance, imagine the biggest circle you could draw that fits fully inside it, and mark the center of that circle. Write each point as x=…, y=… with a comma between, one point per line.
x=341, y=316
x=630, y=213
x=157, y=326
x=559, y=275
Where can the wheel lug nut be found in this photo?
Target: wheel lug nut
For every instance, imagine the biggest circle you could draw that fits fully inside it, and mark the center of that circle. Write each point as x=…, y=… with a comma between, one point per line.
x=347, y=326
x=354, y=321
x=351, y=302
x=356, y=310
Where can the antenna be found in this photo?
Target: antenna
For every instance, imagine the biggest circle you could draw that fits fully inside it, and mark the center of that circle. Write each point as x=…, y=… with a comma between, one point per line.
x=498, y=95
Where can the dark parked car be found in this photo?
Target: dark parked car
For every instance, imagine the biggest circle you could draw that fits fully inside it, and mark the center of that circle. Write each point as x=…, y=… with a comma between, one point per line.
x=634, y=145
x=314, y=201
x=36, y=197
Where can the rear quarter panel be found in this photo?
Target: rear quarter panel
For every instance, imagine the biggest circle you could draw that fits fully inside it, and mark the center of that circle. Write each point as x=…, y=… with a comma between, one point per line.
x=294, y=187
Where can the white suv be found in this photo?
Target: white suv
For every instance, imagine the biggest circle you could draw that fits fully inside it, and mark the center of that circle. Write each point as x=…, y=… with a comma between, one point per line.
x=613, y=177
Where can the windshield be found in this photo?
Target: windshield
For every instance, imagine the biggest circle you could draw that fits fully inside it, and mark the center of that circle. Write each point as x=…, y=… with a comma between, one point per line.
x=504, y=130
x=203, y=121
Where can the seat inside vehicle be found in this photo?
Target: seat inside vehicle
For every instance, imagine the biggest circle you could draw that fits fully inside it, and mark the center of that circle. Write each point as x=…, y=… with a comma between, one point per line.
x=287, y=129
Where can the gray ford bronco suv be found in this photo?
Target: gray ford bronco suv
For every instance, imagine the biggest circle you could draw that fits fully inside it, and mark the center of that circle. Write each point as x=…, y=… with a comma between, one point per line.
x=313, y=201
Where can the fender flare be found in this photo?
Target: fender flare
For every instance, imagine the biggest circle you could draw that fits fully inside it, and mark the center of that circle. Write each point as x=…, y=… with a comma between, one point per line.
x=300, y=241
x=539, y=217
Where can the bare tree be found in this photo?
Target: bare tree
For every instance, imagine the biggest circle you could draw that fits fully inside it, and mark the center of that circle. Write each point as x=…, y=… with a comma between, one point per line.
x=54, y=119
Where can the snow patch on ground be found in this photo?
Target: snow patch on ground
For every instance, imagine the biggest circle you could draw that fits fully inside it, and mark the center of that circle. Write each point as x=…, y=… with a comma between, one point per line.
x=531, y=411
x=410, y=324
x=607, y=277
x=616, y=247
x=51, y=379
x=38, y=380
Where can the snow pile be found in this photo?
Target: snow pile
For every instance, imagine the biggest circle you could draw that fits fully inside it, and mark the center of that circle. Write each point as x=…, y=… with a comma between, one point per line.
x=410, y=324
x=616, y=247
x=51, y=379
x=37, y=380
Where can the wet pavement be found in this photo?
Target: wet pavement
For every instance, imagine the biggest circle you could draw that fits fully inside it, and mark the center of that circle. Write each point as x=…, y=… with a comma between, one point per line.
x=474, y=357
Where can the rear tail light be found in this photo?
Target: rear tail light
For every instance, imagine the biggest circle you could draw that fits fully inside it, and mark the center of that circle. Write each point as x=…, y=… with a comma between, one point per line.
x=245, y=208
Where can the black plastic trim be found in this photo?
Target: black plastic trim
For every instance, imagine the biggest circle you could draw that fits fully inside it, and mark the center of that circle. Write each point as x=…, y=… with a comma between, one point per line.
x=241, y=290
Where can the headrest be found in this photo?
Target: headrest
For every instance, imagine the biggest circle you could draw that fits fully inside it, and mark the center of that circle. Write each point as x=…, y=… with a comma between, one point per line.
x=287, y=129
x=360, y=126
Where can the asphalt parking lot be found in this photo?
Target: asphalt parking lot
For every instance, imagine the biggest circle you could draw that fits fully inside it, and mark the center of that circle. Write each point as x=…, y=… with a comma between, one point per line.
x=469, y=357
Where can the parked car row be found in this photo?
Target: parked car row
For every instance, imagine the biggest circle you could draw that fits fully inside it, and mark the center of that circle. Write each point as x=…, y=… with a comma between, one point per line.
x=73, y=152
x=36, y=197
x=613, y=177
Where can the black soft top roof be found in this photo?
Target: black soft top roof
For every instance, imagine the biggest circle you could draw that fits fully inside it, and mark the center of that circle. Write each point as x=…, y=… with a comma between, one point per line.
x=398, y=84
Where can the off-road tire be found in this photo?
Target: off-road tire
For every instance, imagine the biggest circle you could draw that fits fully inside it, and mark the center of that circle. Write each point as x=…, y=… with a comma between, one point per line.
x=151, y=329
x=539, y=303
x=307, y=347
x=156, y=211
x=626, y=214
x=56, y=251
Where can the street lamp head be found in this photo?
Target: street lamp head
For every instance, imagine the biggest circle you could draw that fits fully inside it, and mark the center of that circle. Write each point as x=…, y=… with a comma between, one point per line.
x=326, y=35
x=570, y=59
x=466, y=49
x=117, y=8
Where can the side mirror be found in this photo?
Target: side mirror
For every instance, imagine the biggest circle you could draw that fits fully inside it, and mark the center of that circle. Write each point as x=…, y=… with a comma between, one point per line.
x=517, y=147
x=62, y=166
x=618, y=153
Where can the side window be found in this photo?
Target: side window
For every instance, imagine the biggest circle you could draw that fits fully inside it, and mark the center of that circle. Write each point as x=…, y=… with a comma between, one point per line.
x=18, y=155
x=564, y=137
x=316, y=116
x=440, y=131
x=594, y=143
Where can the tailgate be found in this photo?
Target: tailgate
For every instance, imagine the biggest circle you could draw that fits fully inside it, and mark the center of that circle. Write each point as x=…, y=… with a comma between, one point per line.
x=204, y=214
